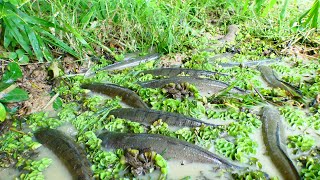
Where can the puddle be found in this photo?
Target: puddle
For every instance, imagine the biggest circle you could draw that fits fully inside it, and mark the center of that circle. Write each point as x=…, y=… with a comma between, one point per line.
x=267, y=165
x=56, y=170
x=8, y=173
x=195, y=171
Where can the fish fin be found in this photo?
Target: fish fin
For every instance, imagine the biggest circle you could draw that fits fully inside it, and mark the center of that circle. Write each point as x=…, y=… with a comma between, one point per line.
x=295, y=88
x=296, y=91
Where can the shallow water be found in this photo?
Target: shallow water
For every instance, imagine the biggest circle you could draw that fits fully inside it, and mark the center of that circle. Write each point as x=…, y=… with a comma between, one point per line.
x=57, y=169
x=195, y=171
x=267, y=164
x=8, y=173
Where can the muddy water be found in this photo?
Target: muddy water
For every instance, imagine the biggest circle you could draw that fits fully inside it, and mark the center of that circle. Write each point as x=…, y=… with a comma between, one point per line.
x=267, y=164
x=8, y=173
x=57, y=169
x=195, y=171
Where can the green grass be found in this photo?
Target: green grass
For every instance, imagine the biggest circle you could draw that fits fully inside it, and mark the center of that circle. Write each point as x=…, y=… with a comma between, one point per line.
x=81, y=27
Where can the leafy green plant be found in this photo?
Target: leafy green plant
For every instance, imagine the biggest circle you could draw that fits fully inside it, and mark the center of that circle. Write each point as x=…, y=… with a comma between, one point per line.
x=310, y=17
x=9, y=93
x=32, y=34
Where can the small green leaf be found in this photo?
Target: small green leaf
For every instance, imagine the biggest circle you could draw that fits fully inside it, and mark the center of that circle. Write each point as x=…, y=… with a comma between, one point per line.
x=3, y=113
x=12, y=73
x=57, y=104
x=13, y=55
x=16, y=95
x=22, y=57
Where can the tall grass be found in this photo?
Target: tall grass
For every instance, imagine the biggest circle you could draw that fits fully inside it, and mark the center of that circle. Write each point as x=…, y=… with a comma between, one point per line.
x=81, y=27
x=132, y=24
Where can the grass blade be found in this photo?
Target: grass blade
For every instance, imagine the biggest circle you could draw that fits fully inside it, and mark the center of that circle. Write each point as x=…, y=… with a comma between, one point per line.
x=79, y=37
x=34, y=42
x=57, y=42
x=19, y=36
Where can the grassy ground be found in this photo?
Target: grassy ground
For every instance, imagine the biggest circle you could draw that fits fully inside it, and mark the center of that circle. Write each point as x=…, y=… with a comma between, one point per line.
x=70, y=33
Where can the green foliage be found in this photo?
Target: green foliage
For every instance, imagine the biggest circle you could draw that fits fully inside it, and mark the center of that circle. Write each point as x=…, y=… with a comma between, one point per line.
x=162, y=163
x=258, y=175
x=311, y=169
x=262, y=7
x=294, y=117
x=304, y=143
x=236, y=151
x=41, y=120
x=30, y=33
x=309, y=18
x=3, y=113
x=9, y=93
x=12, y=73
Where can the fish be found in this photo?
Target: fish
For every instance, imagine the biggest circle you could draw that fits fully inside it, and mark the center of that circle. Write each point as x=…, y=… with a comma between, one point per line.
x=130, y=62
x=112, y=90
x=250, y=63
x=148, y=116
x=70, y=153
x=130, y=56
x=204, y=85
x=271, y=78
x=168, y=147
x=233, y=30
x=226, y=55
x=171, y=72
x=274, y=139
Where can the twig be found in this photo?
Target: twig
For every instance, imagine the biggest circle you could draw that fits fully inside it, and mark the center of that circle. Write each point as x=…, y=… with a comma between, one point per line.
x=72, y=75
x=14, y=130
x=7, y=90
x=51, y=101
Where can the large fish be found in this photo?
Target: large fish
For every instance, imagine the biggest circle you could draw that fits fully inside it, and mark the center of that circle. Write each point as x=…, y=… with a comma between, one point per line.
x=203, y=84
x=273, y=136
x=168, y=147
x=112, y=90
x=70, y=153
x=148, y=116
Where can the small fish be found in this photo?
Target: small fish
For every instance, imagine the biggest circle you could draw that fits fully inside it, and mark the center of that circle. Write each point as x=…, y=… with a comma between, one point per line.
x=130, y=62
x=171, y=72
x=233, y=30
x=226, y=55
x=274, y=138
x=148, y=116
x=203, y=84
x=71, y=154
x=271, y=78
x=168, y=147
x=112, y=90
x=130, y=56
x=250, y=63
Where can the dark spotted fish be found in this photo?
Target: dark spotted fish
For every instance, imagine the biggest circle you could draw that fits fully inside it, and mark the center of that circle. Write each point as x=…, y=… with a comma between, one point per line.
x=273, y=136
x=148, y=116
x=70, y=153
x=203, y=84
x=168, y=147
x=112, y=90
